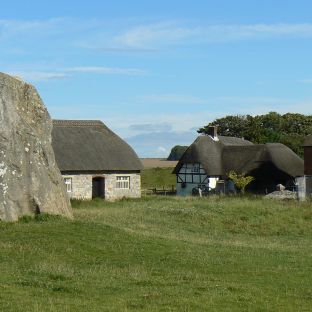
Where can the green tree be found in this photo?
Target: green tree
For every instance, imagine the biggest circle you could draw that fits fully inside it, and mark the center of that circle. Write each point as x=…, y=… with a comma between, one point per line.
x=289, y=129
x=177, y=152
x=229, y=125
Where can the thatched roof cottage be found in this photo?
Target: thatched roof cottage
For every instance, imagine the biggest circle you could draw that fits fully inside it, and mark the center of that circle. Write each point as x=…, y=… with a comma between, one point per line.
x=210, y=158
x=94, y=161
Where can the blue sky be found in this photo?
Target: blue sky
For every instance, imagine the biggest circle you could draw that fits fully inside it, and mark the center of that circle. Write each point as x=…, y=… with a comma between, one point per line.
x=155, y=71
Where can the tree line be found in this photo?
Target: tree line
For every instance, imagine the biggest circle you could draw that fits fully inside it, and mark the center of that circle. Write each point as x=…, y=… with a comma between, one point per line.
x=289, y=129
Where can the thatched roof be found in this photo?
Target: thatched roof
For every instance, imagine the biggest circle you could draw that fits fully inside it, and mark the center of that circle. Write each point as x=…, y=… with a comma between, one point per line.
x=225, y=140
x=308, y=141
x=208, y=152
x=220, y=157
x=244, y=159
x=88, y=145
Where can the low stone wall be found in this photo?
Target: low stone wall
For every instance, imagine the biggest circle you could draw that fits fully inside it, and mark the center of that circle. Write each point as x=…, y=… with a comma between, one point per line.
x=82, y=186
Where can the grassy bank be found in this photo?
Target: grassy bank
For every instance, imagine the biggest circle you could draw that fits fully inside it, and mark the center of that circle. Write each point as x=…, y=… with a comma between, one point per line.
x=161, y=254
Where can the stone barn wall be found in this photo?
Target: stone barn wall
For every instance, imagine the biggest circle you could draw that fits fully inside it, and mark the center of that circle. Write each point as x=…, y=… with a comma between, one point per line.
x=81, y=187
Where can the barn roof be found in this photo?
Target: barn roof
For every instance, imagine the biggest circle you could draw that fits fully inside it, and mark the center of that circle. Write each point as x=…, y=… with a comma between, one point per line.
x=308, y=141
x=220, y=157
x=88, y=145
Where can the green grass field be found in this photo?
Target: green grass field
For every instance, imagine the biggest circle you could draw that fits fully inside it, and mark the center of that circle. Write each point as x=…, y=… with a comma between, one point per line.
x=161, y=254
x=158, y=178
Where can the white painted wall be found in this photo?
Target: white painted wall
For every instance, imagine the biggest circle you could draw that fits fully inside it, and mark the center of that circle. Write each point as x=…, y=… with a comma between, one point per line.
x=304, y=186
x=213, y=182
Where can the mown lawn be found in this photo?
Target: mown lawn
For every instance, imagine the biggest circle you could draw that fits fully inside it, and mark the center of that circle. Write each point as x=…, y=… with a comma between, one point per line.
x=161, y=254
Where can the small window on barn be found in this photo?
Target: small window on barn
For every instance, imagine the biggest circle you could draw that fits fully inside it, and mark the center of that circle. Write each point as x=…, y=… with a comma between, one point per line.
x=122, y=182
x=68, y=184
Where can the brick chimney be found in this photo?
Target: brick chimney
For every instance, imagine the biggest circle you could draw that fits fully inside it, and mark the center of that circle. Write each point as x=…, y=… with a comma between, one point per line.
x=213, y=132
x=308, y=155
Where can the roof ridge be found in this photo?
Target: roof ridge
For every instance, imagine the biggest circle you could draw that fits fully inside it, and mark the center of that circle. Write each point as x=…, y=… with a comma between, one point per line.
x=76, y=123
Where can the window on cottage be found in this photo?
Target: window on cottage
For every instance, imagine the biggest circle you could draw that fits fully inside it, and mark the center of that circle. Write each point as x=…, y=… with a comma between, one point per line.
x=68, y=184
x=195, y=168
x=122, y=182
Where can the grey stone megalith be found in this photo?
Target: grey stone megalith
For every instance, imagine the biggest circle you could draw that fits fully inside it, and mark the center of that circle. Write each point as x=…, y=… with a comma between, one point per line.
x=30, y=181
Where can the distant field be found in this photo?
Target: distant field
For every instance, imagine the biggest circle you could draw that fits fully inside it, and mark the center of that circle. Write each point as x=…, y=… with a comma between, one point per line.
x=161, y=254
x=158, y=178
x=157, y=163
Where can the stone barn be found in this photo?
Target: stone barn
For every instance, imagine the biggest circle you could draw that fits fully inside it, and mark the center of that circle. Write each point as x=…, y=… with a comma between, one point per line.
x=94, y=161
x=208, y=161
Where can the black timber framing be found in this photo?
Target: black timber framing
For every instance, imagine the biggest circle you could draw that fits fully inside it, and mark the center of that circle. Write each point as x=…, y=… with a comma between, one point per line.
x=203, y=178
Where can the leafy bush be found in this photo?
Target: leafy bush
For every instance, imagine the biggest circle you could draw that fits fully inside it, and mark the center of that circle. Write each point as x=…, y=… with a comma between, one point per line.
x=241, y=181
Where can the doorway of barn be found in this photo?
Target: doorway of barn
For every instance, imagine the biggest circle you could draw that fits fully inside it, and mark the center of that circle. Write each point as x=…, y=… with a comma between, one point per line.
x=98, y=187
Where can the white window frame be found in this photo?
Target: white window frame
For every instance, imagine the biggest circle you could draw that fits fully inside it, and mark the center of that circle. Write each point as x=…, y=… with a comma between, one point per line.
x=123, y=182
x=69, y=184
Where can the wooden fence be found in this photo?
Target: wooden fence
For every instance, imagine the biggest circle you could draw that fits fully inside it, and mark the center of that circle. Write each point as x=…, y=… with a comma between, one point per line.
x=162, y=191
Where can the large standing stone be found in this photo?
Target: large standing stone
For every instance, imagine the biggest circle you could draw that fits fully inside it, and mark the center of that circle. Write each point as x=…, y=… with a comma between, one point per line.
x=30, y=181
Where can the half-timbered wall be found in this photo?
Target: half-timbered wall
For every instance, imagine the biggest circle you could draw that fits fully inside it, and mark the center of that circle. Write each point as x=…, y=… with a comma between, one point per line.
x=192, y=175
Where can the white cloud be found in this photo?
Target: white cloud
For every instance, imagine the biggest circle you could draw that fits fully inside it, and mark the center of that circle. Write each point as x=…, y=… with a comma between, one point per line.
x=45, y=75
x=178, y=121
x=256, y=100
x=107, y=70
x=126, y=36
x=161, y=152
x=169, y=33
x=45, y=28
x=172, y=98
x=194, y=119
x=159, y=144
x=151, y=127
x=38, y=75
x=162, y=149
x=145, y=131
x=140, y=36
x=307, y=81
